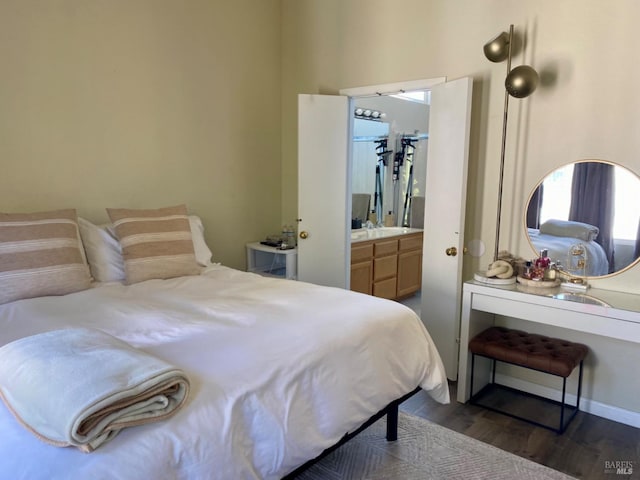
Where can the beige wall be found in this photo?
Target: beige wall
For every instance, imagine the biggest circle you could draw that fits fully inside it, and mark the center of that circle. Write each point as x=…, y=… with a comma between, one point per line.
x=585, y=107
x=144, y=103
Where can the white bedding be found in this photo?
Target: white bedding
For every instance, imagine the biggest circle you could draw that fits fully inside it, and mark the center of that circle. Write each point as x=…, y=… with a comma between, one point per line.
x=558, y=247
x=279, y=371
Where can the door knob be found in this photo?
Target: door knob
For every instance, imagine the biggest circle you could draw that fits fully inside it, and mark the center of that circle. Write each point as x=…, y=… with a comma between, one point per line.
x=451, y=251
x=304, y=234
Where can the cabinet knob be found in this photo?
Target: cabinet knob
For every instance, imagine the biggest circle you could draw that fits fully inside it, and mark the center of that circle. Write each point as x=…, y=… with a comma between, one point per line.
x=451, y=251
x=304, y=234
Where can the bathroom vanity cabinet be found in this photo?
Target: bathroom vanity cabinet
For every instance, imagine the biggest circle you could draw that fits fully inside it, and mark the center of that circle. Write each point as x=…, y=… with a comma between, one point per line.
x=388, y=267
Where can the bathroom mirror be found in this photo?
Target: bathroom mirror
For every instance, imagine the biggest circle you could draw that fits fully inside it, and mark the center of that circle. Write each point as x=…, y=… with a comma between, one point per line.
x=389, y=157
x=593, y=203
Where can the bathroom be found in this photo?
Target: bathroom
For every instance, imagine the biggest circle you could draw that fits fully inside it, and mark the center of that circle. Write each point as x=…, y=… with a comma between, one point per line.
x=389, y=152
x=402, y=122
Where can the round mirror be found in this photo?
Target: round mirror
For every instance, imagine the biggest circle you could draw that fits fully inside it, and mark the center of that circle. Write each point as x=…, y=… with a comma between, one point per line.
x=589, y=206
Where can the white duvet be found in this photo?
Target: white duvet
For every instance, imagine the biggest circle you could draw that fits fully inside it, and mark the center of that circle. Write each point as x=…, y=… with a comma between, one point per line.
x=279, y=370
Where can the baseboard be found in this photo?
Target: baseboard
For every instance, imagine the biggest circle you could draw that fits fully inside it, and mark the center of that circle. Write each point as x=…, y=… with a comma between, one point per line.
x=593, y=407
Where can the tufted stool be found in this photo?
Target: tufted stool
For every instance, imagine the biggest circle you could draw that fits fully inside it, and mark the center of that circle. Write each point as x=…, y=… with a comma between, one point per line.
x=537, y=352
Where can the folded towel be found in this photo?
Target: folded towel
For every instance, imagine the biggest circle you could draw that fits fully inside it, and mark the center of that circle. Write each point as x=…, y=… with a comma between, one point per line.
x=82, y=386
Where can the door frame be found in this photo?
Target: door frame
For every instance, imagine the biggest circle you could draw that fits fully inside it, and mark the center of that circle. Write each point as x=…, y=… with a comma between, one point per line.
x=442, y=327
x=385, y=89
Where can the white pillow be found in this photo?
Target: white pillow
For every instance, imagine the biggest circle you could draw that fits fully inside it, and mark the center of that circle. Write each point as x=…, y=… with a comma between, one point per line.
x=203, y=253
x=568, y=228
x=104, y=253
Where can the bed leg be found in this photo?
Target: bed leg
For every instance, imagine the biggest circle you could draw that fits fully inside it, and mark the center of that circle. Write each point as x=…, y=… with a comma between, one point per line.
x=392, y=422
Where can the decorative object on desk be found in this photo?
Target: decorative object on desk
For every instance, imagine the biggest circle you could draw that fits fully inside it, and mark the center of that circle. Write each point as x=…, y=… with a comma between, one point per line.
x=577, y=267
x=519, y=83
x=538, y=283
x=541, y=272
x=501, y=271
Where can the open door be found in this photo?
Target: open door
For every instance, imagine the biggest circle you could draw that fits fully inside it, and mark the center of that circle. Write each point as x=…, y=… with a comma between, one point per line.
x=324, y=200
x=445, y=192
x=323, y=187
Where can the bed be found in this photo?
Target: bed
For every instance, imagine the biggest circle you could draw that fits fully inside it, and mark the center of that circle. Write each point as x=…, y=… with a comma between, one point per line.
x=558, y=236
x=280, y=371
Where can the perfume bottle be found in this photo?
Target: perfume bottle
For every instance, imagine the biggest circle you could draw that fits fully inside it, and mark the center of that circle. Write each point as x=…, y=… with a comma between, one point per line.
x=526, y=272
x=551, y=273
x=543, y=260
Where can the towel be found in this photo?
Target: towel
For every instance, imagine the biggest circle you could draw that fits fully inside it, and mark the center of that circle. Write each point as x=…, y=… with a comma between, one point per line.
x=80, y=386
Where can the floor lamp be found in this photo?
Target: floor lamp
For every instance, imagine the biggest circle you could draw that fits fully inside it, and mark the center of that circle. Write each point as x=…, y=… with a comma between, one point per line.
x=519, y=83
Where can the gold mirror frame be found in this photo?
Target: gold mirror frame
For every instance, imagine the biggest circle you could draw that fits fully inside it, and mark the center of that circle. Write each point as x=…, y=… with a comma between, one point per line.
x=630, y=265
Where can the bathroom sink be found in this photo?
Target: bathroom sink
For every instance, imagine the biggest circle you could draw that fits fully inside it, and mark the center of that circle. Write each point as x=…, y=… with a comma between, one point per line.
x=358, y=234
x=580, y=298
x=379, y=232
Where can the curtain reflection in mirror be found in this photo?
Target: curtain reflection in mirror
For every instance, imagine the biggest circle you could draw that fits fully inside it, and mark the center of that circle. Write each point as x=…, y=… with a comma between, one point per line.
x=592, y=202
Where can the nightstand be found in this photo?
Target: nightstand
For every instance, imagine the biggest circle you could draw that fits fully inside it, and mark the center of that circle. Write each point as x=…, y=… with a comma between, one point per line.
x=272, y=261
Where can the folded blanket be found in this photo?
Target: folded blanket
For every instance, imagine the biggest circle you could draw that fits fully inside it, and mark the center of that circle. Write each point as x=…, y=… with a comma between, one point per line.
x=82, y=386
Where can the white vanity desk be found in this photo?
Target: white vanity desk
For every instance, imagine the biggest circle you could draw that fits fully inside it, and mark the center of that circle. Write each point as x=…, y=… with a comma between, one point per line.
x=619, y=319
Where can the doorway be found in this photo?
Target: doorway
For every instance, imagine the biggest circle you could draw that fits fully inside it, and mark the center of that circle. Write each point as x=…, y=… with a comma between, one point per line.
x=325, y=165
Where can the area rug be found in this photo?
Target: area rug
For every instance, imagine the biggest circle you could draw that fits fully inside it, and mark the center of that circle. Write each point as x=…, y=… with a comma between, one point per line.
x=423, y=451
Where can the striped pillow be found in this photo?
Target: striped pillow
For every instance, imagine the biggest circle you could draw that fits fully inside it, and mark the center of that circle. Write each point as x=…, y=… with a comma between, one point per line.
x=155, y=243
x=41, y=254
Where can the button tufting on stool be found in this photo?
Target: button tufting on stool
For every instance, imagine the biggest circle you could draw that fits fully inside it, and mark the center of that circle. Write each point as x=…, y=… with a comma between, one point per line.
x=551, y=355
x=545, y=354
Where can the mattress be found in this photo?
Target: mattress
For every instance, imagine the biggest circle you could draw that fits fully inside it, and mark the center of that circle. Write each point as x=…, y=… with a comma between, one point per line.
x=280, y=370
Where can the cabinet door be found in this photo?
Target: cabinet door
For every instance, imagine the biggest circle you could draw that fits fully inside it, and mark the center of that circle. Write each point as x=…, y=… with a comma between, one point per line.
x=385, y=267
x=409, y=272
x=385, y=288
x=361, y=277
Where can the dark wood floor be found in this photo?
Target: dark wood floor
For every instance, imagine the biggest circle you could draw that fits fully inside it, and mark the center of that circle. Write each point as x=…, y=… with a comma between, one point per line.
x=581, y=451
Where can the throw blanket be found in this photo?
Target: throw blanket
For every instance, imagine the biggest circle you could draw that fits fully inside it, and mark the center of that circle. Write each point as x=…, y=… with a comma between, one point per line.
x=82, y=386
